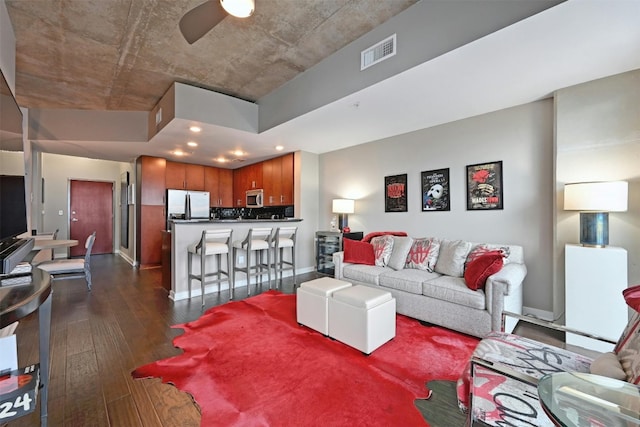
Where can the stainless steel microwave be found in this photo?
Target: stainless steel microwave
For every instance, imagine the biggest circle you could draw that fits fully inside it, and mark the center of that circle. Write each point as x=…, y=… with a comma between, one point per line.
x=255, y=198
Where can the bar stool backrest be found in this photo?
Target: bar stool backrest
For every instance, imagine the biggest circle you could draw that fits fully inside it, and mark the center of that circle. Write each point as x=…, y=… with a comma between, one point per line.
x=285, y=236
x=222, y=236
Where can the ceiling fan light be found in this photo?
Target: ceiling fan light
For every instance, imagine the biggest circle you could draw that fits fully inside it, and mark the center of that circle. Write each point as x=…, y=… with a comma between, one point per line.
x=239, y=8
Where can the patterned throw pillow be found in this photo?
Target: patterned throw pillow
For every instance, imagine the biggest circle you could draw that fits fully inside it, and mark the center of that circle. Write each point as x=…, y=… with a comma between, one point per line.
x=423, y=254
x=382, y=248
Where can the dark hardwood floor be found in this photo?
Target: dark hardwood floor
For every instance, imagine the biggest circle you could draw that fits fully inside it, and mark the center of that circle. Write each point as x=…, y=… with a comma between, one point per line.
x=99, y=337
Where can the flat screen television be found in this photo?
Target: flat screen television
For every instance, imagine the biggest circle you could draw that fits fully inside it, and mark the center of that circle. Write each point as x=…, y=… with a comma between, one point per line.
x=13, y=222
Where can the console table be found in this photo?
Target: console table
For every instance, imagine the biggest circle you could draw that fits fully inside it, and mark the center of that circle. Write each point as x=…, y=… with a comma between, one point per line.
x=578, y=399
x=17, y=302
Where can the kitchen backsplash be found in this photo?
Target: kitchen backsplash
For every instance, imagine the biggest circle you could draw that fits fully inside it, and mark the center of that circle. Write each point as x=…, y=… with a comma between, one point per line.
x=253, y=213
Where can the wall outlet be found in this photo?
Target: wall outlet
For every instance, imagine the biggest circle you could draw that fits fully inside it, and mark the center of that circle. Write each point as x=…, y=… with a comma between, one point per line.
x=60, y=213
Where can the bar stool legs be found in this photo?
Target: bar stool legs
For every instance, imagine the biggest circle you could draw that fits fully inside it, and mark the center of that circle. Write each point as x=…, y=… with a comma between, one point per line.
x=257, y=242
x=284, y=238
x=212, y=242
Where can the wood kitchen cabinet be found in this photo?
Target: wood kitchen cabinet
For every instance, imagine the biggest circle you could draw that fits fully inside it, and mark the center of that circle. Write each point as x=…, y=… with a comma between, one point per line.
x=184, y=176
x=246, y=178
x=219, y=183
x=151, y=234
x=150, y=216
x=151, y=180
x=278, y=181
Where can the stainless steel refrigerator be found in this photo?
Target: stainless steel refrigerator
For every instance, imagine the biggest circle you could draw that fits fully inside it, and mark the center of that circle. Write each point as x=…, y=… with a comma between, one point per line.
x=183, y=204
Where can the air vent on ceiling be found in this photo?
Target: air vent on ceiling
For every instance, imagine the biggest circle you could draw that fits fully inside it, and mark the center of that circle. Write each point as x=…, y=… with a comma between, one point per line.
x=378, y=52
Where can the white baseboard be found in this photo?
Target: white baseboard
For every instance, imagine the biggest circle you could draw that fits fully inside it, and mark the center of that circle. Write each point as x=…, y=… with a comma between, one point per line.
x=127, y=258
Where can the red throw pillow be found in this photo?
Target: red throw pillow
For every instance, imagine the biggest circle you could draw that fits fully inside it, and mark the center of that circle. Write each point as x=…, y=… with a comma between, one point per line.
x=358, y=252
x=480, y=268
x=632, y=297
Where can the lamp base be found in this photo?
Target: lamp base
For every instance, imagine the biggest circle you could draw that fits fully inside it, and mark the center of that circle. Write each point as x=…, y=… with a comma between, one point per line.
x=343, y=221
x=594, y=229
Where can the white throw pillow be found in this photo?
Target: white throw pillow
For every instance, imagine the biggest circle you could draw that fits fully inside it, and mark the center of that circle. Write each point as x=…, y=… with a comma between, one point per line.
x=401, y=247
x=452, y=256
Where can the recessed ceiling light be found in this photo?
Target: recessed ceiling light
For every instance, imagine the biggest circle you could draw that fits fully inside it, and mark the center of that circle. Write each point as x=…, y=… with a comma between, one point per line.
x=192, y=144
x=238, y=153
x=221, y=160
x=179, y=153
x=279, y=147
x=195, y=129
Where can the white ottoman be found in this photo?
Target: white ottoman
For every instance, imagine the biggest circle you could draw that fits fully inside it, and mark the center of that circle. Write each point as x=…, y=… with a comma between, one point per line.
x=312, y=302
x=362, y=317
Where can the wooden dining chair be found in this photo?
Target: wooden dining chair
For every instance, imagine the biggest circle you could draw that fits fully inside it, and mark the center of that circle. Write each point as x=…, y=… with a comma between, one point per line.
x=73, y=268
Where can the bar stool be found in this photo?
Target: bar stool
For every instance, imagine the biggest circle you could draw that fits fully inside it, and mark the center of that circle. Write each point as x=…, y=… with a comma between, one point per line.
x=212, y=242
x=285, y=237
x=258, y=241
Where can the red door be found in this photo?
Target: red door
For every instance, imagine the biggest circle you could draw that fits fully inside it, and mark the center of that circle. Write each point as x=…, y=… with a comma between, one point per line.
x=91, y=209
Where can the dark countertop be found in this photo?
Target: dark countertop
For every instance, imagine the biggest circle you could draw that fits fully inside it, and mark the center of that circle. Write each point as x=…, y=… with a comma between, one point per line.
x=237, y=221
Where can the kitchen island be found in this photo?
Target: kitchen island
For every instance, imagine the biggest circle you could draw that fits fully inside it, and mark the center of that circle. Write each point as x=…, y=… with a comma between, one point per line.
x=188, y=232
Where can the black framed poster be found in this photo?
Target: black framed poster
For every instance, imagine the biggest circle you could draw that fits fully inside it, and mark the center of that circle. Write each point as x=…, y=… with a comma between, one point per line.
x=484, y=186
x=395, y=193
x=435, y=190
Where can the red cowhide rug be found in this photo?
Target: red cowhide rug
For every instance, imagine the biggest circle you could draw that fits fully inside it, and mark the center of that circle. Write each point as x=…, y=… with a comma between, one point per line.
x=249, y=363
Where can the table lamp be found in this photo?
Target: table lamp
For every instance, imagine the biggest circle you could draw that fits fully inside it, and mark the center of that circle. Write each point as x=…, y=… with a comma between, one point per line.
x=595, y=200
x=343, y=207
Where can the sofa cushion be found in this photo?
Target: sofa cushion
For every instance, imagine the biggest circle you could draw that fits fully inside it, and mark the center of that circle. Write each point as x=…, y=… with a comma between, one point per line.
x=364, y=273
x=608, y=365
x=477, y=271
x=401, y=247
x=382, y=248
x=454, y=289
x=452, y=256
x=408, y=280
x=358, y=252
x=423, y=254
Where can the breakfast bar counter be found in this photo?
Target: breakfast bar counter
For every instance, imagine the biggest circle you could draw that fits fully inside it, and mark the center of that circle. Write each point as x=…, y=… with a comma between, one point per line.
x=187, y=232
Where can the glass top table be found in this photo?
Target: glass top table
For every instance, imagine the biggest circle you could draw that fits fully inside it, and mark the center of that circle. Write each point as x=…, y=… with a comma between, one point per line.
x=578, y=399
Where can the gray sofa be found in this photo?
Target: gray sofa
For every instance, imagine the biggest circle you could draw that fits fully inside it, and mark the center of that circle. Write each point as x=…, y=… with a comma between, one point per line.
x=441, y=296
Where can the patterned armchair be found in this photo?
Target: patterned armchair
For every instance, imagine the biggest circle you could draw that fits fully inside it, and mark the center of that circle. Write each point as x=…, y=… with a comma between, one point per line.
x=499, y=385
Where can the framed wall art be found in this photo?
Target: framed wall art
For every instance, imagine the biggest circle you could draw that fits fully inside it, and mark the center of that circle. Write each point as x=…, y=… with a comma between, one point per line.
x=435, y=190
x=484, y=186
x=395, y=193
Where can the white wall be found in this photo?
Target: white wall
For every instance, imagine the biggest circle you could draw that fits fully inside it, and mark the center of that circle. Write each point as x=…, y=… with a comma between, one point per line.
x=11, y=163
x=522, y=137
x=598, y=139
x=57, y=170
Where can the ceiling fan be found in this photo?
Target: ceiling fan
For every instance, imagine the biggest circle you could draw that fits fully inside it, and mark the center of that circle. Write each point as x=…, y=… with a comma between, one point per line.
x=201, y=19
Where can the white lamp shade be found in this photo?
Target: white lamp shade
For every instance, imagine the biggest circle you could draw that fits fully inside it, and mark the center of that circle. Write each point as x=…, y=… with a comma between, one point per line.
x=596, y=196
x=239, y=8
x=343, y=206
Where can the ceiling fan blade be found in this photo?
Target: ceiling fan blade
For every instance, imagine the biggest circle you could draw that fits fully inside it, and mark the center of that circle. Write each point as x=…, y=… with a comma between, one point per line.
x=201, y=19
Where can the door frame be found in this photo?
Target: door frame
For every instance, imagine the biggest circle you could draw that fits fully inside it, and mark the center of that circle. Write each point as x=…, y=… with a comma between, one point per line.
x=113, y=207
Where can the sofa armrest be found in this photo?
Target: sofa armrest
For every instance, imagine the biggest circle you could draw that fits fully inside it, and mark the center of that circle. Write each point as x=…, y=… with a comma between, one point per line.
x=338, y=262
x=511, y=275
x=503, y=291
